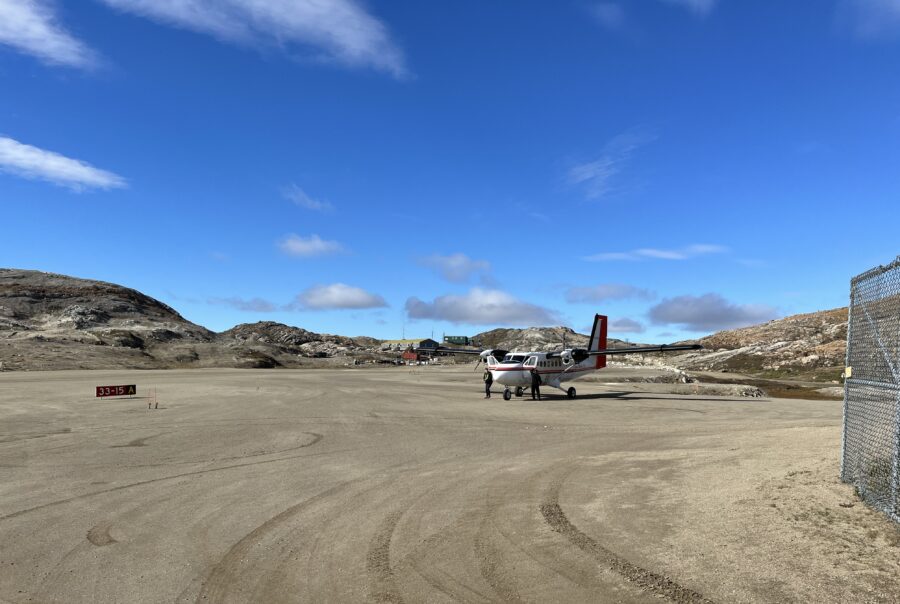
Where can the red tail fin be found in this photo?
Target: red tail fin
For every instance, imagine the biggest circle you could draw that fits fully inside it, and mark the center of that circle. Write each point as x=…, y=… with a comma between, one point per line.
x=598, y=339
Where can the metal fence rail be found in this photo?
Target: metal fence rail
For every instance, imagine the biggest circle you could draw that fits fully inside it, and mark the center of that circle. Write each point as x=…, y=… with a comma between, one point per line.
x=870, y=456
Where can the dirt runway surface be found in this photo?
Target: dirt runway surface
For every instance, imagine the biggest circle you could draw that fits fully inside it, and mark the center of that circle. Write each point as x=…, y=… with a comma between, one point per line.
x=391, y=485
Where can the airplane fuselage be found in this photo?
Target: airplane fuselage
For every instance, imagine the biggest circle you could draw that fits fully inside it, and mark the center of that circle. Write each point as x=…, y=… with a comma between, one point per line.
x=514, y=370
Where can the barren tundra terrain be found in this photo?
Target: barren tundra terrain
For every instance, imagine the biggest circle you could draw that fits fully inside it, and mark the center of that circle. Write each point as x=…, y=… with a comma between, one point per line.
x=50, y=321
x=394, y=485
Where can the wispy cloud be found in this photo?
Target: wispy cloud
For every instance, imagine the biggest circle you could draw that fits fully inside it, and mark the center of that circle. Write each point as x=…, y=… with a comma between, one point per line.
x=607, y=291
x=597, y=177
x=625, y=325
x=308, y=247
x=32, y=27
x=35, y=163
x=251, y=305
x=709, y=312
x=869, y=19
x=299, y=197
x=481, y=307
x=456, y=268
x=337, y=296
x=608, y=14
x=340, y=31
x=685, y=253
x=698, y=7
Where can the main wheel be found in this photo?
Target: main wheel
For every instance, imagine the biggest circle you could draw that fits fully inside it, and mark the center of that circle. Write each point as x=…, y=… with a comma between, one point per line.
x=507, y=395
x=519, y=391
x=570, y=392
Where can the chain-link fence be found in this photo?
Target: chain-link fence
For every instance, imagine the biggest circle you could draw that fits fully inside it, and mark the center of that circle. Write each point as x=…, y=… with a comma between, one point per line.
x=871, y=445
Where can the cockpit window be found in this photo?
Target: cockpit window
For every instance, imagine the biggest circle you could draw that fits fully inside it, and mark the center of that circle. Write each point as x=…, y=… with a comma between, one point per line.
x=514, y=358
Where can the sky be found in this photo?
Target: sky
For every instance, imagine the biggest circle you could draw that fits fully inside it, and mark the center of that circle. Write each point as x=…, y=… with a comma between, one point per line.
x=426, y=168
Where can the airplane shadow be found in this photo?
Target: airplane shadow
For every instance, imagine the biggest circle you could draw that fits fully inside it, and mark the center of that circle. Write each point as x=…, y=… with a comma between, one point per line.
x=632, y=396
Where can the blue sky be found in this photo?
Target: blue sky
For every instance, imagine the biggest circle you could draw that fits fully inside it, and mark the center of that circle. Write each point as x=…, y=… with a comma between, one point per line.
x=383, y=168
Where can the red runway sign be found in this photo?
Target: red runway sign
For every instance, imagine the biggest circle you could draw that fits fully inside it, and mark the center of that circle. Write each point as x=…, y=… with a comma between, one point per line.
x=116, y=390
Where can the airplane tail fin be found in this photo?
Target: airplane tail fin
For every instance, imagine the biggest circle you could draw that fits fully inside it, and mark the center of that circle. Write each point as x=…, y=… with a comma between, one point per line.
x=598, y=339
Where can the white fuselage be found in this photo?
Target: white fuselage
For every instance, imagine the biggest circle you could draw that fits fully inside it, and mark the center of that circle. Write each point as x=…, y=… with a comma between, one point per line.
x=514, y=370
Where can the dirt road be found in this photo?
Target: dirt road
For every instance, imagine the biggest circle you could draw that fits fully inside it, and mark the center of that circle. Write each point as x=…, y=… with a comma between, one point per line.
x=388, y=485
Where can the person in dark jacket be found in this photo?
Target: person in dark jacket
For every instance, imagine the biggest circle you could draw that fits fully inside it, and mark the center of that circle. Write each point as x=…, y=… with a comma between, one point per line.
x=535, y=385
x=488, y=380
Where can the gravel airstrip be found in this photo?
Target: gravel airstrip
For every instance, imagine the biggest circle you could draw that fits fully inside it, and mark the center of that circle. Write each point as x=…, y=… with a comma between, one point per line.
x=405, y=485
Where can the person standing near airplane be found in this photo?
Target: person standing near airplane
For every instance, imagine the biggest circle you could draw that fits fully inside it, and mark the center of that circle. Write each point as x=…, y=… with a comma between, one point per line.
x=488, y=380
x=535, y=385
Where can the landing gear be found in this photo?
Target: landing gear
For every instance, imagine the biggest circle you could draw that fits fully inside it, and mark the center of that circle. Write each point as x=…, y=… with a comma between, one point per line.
x=570, y=392
x=507, y=394
x=519, y=391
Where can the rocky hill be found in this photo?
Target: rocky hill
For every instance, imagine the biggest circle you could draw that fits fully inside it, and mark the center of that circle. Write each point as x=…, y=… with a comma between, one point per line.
x=808, y=346
x=50, y=321
x=538, y=338
x=278, y=339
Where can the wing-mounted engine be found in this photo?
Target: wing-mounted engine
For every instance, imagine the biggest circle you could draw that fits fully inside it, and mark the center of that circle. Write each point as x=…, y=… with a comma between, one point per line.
x=571, y=356
x=492, y=356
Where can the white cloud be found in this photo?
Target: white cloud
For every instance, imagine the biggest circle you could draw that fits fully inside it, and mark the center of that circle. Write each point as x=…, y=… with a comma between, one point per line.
x=608, y=14
x=32, y=27
x=299, y=197
x=341, y=30
x=456, y=268
x=607, y=291
x=709, y=312
x=481, y=307
x=626, y=326
x=307, y=247
x=597, y=177
x=35, y=163
x=698, y=7
x=685, y=253
x=251, y=305
x=870, y=19
x=337, y=296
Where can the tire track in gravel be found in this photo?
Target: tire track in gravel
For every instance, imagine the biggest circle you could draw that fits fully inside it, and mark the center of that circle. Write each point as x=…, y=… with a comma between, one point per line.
x=524, y=543
x=219, y=581
x=137, y=442
x=316, y=439
x=490, y=556
x=226, y=572
x=382, y=584
x=656, y=584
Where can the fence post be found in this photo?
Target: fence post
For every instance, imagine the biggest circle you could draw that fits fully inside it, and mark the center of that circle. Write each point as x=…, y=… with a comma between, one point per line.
x=847, y=379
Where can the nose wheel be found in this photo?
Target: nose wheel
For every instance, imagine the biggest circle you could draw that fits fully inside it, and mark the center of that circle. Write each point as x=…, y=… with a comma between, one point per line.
x=507, y=394
x=570, y=392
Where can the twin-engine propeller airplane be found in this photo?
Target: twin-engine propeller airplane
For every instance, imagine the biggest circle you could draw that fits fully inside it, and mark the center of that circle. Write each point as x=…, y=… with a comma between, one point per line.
x=513, y=369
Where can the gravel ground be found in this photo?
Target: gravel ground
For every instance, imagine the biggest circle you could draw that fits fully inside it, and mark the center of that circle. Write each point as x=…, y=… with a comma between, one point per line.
x=393, y=485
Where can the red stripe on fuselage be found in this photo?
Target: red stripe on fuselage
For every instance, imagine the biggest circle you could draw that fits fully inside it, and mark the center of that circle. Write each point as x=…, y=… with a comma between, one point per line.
x=541, y=372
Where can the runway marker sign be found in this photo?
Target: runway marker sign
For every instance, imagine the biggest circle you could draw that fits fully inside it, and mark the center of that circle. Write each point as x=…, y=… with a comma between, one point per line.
x=128, y=390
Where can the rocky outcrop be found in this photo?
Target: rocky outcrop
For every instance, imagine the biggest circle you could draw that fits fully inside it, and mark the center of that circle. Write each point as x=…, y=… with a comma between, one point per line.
x=50, y=321
x=812, y=345
x=538, y=338
x=281, y=339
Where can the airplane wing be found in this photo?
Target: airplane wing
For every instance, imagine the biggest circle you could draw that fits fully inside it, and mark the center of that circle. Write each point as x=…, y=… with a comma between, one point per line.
x=642, y=349
x=449, y=350
x=446, y=350
x=580, y=354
